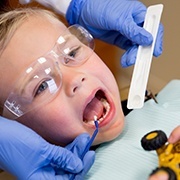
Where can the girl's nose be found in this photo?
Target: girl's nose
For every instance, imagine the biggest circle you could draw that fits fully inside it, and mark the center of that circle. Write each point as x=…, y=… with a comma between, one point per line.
x=73, y=81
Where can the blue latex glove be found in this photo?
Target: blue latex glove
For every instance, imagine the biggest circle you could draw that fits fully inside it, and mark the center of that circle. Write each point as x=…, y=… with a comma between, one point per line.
x=117, y=22
x=26, y=155
x=77, y=147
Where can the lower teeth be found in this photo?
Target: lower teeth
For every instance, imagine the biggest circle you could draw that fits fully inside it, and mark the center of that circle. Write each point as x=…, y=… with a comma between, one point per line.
x=107, y=108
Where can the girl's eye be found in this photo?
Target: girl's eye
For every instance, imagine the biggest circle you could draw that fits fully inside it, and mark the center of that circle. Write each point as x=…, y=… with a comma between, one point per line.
x=72, y=55
x=73, y=52
x=42, y=87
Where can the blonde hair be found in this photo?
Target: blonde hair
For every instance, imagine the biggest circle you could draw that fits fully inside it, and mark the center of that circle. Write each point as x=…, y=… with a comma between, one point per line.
x=10, y=21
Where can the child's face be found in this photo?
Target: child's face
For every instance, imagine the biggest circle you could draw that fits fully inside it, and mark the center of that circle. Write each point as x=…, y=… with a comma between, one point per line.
x=71, y=112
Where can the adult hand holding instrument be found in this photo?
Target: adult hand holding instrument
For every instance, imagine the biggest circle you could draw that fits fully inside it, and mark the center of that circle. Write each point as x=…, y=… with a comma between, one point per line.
x=89, y=143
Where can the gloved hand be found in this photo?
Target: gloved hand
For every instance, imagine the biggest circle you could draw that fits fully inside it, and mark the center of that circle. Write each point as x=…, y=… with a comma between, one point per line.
x=117, y=22
x=26, y=155
x=77, y=147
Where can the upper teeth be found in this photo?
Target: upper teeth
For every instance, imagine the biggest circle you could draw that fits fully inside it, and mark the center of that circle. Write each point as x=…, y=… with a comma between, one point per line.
x=107, y=107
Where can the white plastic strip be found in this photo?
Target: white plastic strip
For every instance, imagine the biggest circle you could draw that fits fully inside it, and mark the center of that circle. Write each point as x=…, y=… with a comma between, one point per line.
x=143, y=61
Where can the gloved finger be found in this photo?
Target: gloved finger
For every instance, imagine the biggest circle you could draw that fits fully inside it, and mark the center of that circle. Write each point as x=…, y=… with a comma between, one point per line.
x=136, y=34
x=115, y=38
x=132, y=28
x=158, y=48
x=129, y=57
x=79, y=144
x=139, y=13
x=46, y=172
x=28, y=140
x=88, y=161
x=122, y=41
x=65, y=159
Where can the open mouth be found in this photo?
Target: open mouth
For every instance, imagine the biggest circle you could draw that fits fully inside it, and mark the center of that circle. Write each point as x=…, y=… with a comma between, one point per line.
x=98, y=106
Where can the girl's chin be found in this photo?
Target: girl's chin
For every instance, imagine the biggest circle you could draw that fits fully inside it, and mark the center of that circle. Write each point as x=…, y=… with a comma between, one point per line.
x=110, y=134
x=107, y=137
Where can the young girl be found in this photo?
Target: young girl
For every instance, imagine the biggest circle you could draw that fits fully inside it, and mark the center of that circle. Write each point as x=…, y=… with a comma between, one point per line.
x=55, y=83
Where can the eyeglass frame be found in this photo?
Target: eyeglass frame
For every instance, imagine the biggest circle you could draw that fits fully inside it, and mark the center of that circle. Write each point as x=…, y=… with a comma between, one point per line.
x=11, y=107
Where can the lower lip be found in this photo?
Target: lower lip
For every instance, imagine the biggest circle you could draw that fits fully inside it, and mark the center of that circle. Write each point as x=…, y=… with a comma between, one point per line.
x=107, y=120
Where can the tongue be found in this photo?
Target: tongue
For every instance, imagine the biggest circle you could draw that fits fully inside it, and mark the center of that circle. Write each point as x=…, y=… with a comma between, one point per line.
x=95, y=107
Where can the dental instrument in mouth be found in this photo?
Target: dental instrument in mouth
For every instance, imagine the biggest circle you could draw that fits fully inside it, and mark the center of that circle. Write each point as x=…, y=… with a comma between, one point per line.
x=90, y=141
x=92, y=138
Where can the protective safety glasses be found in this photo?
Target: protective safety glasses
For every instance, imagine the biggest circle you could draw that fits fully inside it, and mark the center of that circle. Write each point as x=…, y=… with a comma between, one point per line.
x=41, y=81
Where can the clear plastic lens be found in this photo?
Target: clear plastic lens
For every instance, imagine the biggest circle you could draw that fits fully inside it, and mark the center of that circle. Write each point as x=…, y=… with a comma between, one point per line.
x=37, y=85
x=75, y=46
x=76, y=55
x=43, y=78
x=82, y=35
